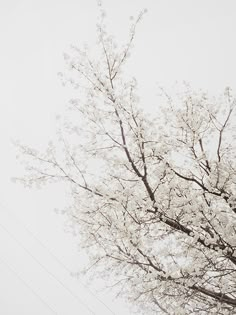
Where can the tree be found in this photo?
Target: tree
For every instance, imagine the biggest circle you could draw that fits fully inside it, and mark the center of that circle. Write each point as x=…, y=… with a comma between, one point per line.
x=154, y=196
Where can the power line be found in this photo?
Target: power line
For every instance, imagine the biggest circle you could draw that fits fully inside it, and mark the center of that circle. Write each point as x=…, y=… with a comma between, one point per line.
x=28, y=286
x=46, y=270
x=55, y=257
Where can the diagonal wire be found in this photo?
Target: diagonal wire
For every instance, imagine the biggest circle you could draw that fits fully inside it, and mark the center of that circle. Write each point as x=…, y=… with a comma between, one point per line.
x=46, y=270
x=28, y=286
x=54, y=256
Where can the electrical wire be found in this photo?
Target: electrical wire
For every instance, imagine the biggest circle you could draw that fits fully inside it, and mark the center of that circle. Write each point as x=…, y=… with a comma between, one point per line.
x=46, y=270
x=28, y=286
x=54, y=256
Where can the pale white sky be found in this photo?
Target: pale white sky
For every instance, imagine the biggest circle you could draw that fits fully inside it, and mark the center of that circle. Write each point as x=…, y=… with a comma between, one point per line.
x=192, y=40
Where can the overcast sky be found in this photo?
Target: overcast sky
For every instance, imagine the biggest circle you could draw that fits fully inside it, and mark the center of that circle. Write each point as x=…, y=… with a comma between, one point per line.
x=191, y=40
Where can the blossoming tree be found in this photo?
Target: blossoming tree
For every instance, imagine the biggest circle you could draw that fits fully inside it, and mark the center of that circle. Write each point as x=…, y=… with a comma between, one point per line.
x=154, y=196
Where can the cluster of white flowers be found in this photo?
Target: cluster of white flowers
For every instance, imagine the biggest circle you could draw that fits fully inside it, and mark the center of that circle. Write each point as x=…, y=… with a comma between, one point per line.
x=154, y=199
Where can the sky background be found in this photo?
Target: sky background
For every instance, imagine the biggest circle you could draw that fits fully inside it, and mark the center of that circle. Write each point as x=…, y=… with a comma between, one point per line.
x=177, y=40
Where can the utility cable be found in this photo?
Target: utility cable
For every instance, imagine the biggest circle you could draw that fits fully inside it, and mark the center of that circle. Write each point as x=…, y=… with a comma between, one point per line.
x=55, y=257
x=28, y=286
x=45, y=269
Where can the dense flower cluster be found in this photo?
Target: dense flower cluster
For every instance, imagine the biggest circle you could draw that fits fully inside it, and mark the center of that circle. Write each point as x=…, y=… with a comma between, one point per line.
x=153, y=197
